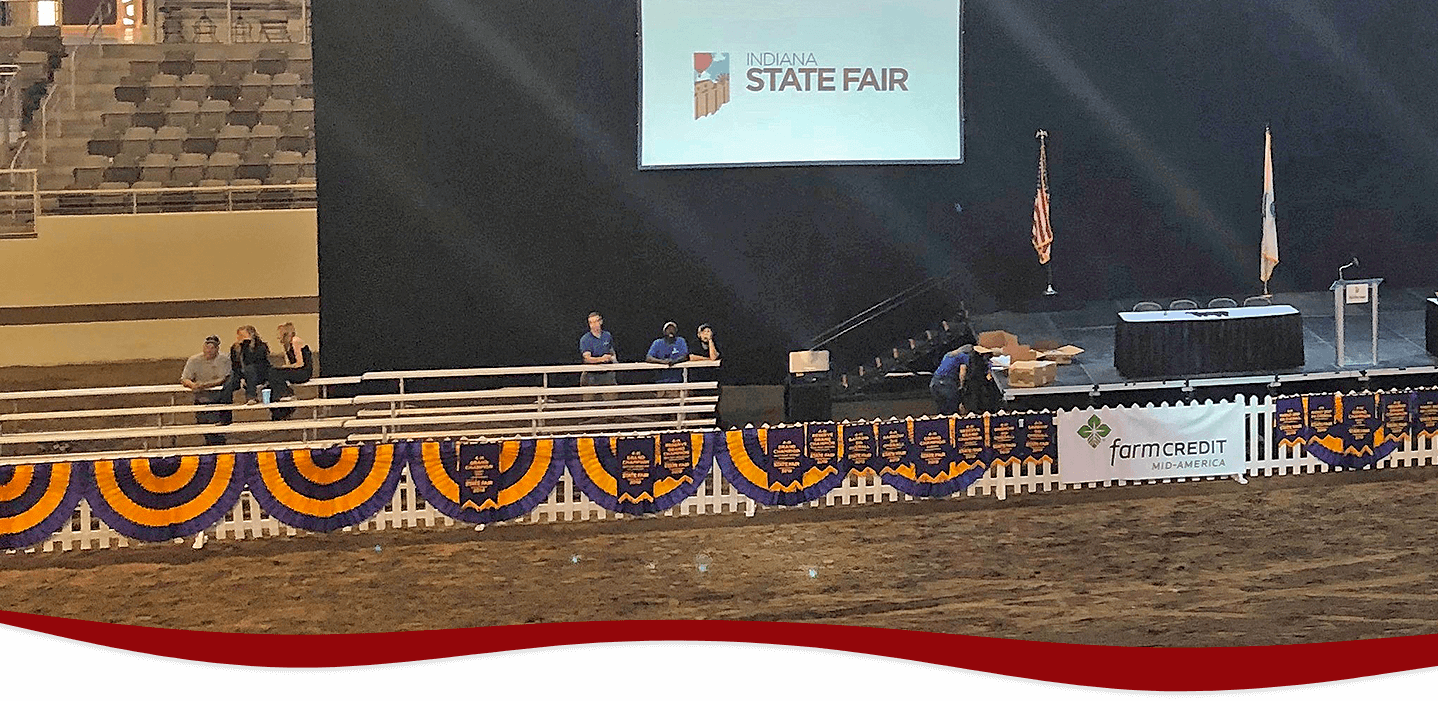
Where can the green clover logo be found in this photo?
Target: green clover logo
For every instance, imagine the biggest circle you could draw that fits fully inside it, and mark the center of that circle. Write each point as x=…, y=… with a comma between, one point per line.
x=1094, y=431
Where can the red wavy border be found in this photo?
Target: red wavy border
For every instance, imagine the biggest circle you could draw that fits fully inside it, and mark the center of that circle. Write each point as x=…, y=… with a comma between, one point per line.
x=1144, y=669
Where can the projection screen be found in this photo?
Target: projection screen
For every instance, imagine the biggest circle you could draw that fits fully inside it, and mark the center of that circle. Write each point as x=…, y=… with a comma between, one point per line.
x=759, y=82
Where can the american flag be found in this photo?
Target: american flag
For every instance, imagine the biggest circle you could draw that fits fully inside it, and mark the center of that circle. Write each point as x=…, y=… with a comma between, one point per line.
x=1043, y=234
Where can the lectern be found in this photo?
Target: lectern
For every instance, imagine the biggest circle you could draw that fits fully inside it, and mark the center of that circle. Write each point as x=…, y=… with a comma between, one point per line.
x=1346, y=292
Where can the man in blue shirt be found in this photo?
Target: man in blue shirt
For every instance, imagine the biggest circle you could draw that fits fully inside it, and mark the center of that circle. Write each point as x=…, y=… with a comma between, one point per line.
x=596, y=347
x=947, y=379
x=669, y=349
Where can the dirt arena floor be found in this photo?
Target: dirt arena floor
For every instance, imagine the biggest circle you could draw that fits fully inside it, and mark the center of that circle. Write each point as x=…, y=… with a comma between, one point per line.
x=1281, y=560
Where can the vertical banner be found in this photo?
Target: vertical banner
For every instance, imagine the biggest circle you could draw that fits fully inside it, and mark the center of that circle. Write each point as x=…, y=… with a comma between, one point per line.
x=1041, y=441
x=1425, y=414
x=1290, y=421
x=936, y=457
x=641, y=475
x=487, y=482
x=783, y=466
x=35, y=501
x=157, y=499
x=1021, y=441
x=859, y=454
x=1142, y=443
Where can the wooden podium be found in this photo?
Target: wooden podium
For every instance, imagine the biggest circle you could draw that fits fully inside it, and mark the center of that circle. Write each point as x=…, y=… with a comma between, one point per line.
x=1346, y=292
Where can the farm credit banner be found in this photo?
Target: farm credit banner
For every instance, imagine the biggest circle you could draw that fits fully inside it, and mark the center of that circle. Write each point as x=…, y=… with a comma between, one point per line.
x=1143, y=443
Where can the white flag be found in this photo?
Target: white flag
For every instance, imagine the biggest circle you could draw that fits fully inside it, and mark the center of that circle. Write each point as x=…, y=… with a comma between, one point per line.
x=1269, y=255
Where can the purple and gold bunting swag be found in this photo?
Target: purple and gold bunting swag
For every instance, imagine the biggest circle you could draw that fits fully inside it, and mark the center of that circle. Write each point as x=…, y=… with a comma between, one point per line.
x=324, y=490
x=1425, y=414
x=784, y=466
x=487, y=482
x=156, y=499
x=1349, y=430
x=35, y=501
x=644, y=474
x=936, y=457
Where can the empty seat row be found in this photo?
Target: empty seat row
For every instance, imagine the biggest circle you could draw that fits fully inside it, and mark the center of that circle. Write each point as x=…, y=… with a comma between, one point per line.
x=284, y=167
x=211, y=114
x=135, y=142
x=216, y=63
x=198, y=87
x=256, y=88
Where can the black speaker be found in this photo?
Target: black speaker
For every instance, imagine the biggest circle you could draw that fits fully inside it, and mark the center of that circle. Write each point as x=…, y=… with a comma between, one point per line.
x=808, y=398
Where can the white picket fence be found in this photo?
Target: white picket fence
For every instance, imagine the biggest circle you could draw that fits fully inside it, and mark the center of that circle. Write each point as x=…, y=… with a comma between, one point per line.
x=566, y=503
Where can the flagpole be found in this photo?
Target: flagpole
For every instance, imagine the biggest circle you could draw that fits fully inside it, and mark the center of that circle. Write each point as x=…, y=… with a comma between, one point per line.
x=1043, y=188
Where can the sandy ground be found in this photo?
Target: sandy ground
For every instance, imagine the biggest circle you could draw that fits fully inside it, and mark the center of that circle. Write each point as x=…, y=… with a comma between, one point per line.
x=1281, y=560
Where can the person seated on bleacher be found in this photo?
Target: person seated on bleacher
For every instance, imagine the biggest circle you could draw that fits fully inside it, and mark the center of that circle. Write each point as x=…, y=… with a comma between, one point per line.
x=669, y=349
x=596, y=347
x=298, y=369
x=249, y=361
x=208, y=376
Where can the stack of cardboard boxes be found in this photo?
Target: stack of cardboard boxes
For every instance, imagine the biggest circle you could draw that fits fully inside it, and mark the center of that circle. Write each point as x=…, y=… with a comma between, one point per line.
x=1029, y=366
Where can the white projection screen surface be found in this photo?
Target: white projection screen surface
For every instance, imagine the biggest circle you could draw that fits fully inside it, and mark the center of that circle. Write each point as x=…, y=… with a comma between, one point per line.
x=788, y=82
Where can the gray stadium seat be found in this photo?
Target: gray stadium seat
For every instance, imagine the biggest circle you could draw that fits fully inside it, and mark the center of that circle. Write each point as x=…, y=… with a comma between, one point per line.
x=1221, y=303
x=195, y=86
x=90, y=172
x=131, y=90
x=1148, y=307
x=178, y=62
x=106, y=141
x=285, y=86
x=1257, y=302
x=222, y=166
x=118, y=115
x=285, y=167
x=210, y=61
x=189, y=169
x=275, y=112
x=164, y=88
x=254, y=165
x=295, y=139
x=183, y=113
x=244, y=112
x=143, y=69
x=213, y=114
x=1183, y=304
x=264, y=139
x=271, y=61
x=156, y=167
x=232, y=138
x=225, y=88
x=304, y=114
x=136, y=142
x=201, y=139
x=168, y=139
x=255, y=88
x=151, y=114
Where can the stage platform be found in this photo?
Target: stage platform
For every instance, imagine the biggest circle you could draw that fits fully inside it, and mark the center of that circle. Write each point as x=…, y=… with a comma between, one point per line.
x=1402, y=358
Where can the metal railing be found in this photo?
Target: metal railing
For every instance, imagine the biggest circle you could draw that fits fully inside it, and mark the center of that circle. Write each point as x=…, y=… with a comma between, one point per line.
x=215, y=198
x=232, y=21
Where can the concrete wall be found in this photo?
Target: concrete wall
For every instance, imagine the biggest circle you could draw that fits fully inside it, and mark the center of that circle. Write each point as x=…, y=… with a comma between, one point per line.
x=114, y=288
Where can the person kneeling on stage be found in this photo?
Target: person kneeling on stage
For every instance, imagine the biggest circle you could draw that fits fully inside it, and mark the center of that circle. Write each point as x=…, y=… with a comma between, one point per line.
x=979, y=393
x=948, y=377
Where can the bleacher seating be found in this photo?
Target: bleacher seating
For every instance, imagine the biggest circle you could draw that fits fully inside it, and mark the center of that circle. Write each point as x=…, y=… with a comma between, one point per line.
x=137, y=101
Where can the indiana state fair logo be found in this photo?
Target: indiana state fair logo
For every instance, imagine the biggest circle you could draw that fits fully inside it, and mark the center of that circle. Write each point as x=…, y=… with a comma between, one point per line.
x=711, y=83
x=1094, y=431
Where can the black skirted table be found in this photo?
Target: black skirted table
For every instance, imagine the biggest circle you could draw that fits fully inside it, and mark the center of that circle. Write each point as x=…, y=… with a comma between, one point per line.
x=1430, y=325
x=1177, y=343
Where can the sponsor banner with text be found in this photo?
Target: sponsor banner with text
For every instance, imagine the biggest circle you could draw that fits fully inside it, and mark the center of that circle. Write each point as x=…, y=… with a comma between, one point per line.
x=1141, y=443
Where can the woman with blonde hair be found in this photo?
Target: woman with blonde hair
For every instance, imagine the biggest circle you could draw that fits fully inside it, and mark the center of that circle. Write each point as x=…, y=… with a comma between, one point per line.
x=299, y=364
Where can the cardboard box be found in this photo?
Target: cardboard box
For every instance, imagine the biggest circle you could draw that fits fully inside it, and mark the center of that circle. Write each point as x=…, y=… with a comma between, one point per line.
x=1063, y=355
x=1032, y=373
x=1018, y=352
x=995, y=341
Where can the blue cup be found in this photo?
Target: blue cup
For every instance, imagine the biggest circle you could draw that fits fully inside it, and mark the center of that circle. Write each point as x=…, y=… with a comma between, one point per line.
x=265, y=395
